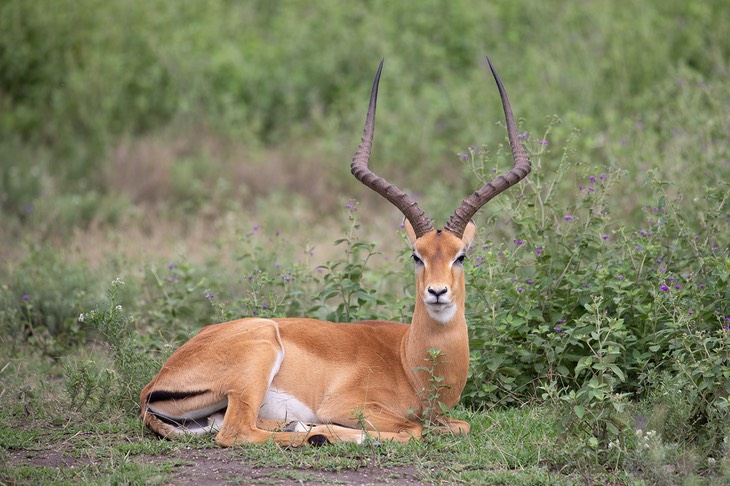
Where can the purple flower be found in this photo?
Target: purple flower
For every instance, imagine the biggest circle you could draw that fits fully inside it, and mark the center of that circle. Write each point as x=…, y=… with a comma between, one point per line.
x=602, y=176
x=664, y=288
x=580, y=187
x=639, y=248
x=529, y=281
x=538, y=250
x=605, y=237
x=558, y=329
x=621, y=277
x=462, y=156
x=543, y=142
x=519, y=242
x=677, y=287
x=520, y=289
x=568, y=217
x=210, y=296
x=523, y=135
x=26, y=298
x=171, y=266
x=592, y=179
x=726, y=328
x=691, y=313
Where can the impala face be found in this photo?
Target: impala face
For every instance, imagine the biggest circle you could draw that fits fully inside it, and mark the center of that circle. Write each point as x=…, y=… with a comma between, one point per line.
x=439, y=260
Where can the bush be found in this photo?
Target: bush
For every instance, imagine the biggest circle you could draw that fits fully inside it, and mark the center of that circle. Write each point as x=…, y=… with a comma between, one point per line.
x=578, y=304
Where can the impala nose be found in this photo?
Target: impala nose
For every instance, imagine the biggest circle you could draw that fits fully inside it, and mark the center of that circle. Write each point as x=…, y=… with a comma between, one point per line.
x=437, y=291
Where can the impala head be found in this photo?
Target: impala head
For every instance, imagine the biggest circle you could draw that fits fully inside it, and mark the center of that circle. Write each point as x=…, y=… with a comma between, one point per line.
x=439, y=254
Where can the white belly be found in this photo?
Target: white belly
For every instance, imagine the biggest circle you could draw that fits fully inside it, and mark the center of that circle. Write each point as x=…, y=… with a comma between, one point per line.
x=279, y=405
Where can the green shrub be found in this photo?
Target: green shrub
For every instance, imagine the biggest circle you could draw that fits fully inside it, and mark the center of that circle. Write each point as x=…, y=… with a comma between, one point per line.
x=590, y=310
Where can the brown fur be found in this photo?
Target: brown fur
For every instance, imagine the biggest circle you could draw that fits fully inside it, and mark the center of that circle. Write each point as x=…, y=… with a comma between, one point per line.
x=352, y=376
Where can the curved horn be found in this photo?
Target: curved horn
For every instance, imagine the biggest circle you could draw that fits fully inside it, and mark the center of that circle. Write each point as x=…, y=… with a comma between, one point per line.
x=418, y=219
x=463, y=214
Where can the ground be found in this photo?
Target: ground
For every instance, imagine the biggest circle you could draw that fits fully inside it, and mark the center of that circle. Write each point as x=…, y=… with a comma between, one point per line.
x=216, y=466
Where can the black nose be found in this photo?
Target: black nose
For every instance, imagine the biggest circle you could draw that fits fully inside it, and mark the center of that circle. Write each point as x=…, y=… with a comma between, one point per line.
x=437, y=292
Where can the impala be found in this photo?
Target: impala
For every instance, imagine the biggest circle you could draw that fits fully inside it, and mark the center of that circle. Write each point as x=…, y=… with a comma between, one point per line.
x=299, y=380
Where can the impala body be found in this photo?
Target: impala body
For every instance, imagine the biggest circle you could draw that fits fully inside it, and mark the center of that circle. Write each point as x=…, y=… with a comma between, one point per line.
x=300, y=380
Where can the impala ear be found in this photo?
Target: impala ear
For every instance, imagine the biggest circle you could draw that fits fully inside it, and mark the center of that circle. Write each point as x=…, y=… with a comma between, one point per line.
x=469, y=233
x=410, y=232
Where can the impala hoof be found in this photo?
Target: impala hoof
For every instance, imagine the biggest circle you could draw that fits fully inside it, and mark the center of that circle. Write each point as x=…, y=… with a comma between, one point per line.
x=318, y=440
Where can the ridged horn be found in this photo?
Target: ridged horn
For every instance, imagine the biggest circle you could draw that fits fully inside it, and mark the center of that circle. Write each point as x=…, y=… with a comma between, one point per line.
x=359, y=167
x=463, y=214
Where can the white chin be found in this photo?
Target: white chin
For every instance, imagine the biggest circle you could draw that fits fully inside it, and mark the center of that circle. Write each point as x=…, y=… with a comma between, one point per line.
x=441, y=313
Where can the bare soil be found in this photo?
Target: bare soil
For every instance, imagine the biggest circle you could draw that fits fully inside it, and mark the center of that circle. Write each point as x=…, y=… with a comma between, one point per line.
x=216, y=466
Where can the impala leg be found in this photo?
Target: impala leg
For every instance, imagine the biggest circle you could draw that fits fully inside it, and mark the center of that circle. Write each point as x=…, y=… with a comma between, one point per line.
x=378, y=420
x=446, y=425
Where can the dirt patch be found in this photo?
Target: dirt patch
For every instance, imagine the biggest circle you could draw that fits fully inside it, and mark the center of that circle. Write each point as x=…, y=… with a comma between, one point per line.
x=217, y=466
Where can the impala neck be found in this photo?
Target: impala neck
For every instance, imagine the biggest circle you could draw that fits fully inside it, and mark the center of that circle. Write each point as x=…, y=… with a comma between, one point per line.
x=450, y=339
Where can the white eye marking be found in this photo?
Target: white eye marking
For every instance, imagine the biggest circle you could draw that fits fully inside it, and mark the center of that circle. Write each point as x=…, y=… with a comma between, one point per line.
x=417, y=258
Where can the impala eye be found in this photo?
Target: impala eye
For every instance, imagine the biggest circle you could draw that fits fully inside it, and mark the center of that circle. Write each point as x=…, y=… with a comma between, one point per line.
x=417, y=259
x=460, y=259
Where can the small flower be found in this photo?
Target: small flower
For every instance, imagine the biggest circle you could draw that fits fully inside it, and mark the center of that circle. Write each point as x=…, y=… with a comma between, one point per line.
x=621, y=277
x=581, y=187
x=568, y=217
x=26, y=298
x=691, y=313
x=558, y=329
x=543, y=142
x=538, y=250
x=592, y=179
x=605, y=237
x=210, y=296
x=171, y=266
x=664, y=288
x=639, y=248
x=82, y=316
x=529, y=281
x=519, y=242
x=726, y=328
x=463, y=156
x=520, y=289
x=602, y=176
x=523, y=135
x=677, y=287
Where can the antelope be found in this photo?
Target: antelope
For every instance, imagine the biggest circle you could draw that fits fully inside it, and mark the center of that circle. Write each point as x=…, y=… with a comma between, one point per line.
x=301, y=380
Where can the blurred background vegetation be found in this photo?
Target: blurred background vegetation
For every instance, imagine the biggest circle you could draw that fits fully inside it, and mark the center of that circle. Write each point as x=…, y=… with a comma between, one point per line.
x=200, y=150
x=106, y=106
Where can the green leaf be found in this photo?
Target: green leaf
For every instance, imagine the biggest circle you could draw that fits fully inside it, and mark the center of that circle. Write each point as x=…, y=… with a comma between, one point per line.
x=579, y=411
